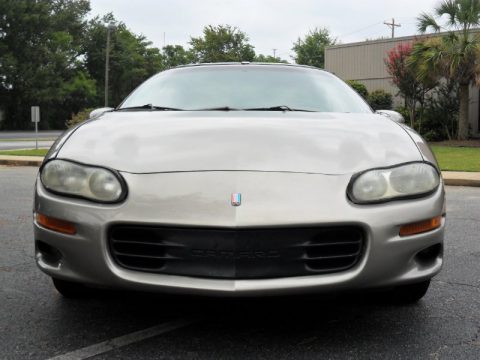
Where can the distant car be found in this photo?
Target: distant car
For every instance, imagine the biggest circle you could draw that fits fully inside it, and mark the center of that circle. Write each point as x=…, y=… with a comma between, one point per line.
x=241, y=179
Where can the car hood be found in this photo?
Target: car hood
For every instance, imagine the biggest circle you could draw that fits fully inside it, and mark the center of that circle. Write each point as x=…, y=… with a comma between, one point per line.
x=156, y=141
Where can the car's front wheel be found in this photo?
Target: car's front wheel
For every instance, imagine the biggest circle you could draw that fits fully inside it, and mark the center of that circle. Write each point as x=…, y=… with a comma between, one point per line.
x=410, y=293
x=71, y=290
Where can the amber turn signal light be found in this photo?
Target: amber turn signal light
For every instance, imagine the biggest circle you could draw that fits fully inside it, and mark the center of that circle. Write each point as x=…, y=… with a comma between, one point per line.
x=58, y=225
x=421, y=226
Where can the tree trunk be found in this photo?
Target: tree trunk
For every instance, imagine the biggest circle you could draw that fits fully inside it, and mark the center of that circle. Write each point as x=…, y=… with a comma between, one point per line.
x=422, y=106
x=463, y=112
x=413, y=105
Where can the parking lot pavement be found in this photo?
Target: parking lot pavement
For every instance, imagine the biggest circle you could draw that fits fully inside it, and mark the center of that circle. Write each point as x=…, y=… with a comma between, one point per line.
x=36, y=323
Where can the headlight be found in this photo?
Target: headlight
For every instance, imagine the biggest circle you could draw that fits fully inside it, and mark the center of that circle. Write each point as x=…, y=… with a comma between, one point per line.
x=93, y=183
x=403, y=181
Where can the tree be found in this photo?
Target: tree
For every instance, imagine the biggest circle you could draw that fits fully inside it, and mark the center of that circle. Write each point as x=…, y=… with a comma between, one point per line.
x=405, y=77
x=222, y=43
x=132, y=59
x=454, y=55
x=175, y=55
x=311, y=49
x=380, y=100
x=440, y=118
x=41, y=60
x=269, y=59
x=359, y=88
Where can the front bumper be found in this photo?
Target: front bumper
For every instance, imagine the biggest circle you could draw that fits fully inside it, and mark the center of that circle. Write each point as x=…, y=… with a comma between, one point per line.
x=270, y=200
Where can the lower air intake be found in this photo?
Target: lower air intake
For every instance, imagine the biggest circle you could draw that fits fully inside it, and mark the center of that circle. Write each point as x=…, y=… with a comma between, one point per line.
x=236, y=254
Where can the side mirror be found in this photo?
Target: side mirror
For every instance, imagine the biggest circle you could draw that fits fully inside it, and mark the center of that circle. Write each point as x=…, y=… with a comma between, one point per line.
x=98, y=112
x=392, y=115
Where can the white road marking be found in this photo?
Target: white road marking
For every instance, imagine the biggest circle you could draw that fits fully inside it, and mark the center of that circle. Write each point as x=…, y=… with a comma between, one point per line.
x=115, y=343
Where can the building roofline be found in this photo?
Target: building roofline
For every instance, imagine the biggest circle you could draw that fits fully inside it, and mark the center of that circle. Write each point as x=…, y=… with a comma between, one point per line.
x=397, y=39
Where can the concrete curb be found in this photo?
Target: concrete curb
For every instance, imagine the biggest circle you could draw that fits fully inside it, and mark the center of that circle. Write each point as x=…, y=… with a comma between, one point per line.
x=21, y=160
x=452, y=178
x=460, y=178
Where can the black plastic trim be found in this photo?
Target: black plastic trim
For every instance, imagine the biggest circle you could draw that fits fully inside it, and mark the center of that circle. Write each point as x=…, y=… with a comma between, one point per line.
x=395, y=198
x=293, y=255
x=116, y=173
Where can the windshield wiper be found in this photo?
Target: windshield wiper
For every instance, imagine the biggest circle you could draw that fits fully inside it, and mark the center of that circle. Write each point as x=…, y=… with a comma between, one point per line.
x=270, y=108
x=220, y=108
x=149, y=107
x=276, y=108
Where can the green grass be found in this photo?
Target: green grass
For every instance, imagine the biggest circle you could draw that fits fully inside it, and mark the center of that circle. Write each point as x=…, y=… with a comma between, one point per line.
x=32, y=152
x=458, y=158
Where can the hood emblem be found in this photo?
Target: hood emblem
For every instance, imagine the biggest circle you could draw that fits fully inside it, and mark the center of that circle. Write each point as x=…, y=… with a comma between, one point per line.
x=236, y=199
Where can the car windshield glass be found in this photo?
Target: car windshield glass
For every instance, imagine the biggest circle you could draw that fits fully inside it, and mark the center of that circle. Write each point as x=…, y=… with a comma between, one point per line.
x=241, y=87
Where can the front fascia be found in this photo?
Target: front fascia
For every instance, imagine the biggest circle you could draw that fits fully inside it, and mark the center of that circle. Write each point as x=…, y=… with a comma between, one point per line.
x=268, y=200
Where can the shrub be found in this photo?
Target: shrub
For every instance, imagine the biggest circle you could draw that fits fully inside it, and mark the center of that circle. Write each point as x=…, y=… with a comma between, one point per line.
x=439, y=120
x=404, y=111
x=359, y=88
x=79, y=117
x=380, y=100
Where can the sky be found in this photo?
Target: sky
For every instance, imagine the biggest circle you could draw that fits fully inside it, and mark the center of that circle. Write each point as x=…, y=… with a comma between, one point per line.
x=270, y=24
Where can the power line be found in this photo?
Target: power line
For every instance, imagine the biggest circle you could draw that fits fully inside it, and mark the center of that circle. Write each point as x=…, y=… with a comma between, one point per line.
x=360, y=30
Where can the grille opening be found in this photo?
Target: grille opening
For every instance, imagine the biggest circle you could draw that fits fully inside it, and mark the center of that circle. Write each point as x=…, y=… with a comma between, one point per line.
x=140, y=262
x=50, y=255
x=138, y=248
x=331, y=265
x=429, y=255
x=137, y=234
x=334, y=250
x=337, y=236
x=133, y=248
x=200, y=252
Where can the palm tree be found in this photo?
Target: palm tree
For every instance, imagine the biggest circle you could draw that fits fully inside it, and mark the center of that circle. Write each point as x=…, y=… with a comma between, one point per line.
x=453, y=55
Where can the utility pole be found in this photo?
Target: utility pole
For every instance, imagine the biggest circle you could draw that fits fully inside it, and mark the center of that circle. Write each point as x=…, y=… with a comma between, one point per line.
x=110, y=27
x=274, y=53
x=392, y=25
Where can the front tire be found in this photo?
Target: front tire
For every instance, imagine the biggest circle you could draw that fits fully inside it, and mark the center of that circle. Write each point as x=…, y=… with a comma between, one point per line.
x=409, y=294
x=70, y=290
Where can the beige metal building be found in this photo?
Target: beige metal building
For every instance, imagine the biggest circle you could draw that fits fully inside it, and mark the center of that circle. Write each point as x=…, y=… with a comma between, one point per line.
x=365, y=62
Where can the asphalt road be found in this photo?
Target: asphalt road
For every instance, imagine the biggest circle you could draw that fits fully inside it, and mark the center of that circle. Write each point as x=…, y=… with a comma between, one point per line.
x=11, y=140
x=37, y=323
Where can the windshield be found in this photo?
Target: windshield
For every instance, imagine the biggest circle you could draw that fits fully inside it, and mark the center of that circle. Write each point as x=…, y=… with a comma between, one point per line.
x=243, y=87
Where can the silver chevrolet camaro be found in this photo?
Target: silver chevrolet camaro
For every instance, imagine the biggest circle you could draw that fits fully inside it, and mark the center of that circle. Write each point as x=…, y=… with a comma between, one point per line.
x=241, y=179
